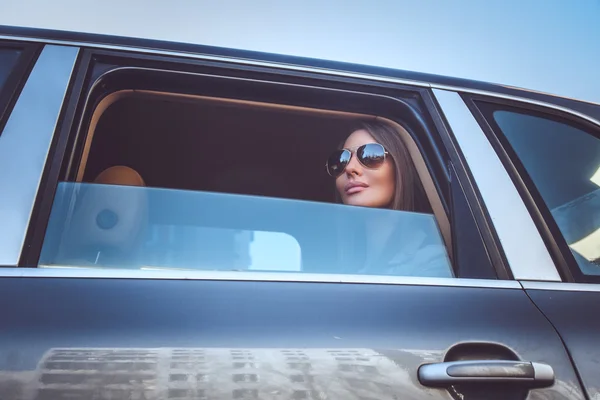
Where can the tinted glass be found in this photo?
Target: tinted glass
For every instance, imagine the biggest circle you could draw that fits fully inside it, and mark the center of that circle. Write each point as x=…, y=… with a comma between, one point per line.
x=108, y=226
x=371, y=155
x=564, y=164
x=8, y=60
x=338, y=160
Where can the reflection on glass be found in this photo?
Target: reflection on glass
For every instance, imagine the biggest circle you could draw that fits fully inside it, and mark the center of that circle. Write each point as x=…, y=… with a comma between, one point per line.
x=596, y=177
x=563, y=163
x=109, y=226
x=579, y=222
x=273, y=251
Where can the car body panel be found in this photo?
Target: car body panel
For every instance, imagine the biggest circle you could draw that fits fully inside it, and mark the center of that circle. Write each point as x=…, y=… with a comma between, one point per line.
x=574, y=313
x=369, y=336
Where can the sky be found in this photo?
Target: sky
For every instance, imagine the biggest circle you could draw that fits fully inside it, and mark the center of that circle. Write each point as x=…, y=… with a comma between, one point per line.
x=546, y=45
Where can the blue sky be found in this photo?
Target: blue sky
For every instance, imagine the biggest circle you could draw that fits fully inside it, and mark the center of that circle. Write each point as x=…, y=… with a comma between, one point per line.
x=546, y=45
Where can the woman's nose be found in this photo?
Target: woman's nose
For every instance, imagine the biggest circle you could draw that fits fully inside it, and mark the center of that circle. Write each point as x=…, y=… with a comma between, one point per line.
x=354, y=167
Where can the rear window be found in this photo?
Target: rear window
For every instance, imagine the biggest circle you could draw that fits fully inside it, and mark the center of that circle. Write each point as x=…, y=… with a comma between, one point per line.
x=563, y=162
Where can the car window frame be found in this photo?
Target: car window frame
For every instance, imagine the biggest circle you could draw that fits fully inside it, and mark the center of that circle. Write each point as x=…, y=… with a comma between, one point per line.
x=482, y=108
x=17, y=76
x=87, y=77
x=27, y=137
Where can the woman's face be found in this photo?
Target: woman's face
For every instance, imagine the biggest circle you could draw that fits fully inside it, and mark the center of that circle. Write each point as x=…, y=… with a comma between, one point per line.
x=361, y=186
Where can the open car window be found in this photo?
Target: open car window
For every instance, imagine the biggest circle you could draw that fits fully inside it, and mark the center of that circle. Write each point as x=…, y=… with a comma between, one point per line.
x=230, y=175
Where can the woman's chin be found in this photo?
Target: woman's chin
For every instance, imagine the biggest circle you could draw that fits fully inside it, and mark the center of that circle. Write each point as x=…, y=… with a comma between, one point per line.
x=358, y=202
x=363, y=201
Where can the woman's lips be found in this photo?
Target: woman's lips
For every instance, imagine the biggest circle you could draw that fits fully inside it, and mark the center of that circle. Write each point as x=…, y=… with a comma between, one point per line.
x=355, y=187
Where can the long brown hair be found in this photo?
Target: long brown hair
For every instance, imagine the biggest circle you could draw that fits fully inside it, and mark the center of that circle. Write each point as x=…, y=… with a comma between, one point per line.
x=409, y=194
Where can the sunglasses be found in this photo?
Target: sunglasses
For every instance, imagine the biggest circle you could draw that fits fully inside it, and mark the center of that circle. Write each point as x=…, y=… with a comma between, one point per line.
x=370, y=155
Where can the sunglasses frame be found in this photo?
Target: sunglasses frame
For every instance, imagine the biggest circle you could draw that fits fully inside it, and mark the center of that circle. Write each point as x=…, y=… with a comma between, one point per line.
x=352, y=151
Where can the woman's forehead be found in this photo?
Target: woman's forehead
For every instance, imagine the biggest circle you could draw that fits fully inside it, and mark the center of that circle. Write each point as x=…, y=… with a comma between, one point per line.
x=358, y=138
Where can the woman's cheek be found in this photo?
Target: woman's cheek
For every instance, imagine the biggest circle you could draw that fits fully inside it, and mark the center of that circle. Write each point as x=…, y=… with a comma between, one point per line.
x=339, y=185
x=388, y=183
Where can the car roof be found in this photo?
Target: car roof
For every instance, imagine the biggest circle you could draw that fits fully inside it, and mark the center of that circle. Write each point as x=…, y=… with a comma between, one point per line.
x=295, y=62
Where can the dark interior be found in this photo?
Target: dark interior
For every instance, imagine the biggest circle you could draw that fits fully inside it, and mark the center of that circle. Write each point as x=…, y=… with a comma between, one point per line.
x=210, y=146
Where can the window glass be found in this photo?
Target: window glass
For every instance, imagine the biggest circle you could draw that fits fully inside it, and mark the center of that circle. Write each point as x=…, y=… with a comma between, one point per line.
x=8, y=59
x=113, y=226
x=564, y=164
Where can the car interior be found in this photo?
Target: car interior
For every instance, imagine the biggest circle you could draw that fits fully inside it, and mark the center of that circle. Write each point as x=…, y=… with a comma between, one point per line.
x=196, y=143
x=188, y=142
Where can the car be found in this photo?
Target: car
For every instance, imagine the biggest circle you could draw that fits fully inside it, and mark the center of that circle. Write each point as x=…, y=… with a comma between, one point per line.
x=169, y=231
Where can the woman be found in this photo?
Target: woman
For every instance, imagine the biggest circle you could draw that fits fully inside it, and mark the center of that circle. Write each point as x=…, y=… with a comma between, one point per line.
x=384, y=162
x=374, y=169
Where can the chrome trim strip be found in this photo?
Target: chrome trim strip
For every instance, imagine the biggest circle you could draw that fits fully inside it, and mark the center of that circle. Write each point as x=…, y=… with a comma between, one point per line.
x=525, y=250
x=25, y=143
x=74, y=272
x=293, y=67
x=565, y=286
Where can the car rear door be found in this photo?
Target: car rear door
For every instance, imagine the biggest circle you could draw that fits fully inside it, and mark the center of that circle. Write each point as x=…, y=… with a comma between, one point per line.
x=137, y=334
x=552, y=149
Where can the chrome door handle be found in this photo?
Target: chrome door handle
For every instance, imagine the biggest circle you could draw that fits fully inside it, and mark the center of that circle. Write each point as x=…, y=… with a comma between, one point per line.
x=530, y=374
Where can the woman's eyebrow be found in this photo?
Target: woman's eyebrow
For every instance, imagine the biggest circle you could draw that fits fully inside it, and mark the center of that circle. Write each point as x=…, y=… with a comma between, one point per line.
x=356, y=147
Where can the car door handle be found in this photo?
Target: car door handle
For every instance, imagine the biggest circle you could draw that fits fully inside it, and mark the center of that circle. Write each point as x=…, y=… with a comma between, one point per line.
x=530, y=374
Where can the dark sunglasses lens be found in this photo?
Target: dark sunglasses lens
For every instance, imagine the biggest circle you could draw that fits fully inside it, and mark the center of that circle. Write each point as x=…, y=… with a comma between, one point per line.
x=371, y=155
x=337, y=162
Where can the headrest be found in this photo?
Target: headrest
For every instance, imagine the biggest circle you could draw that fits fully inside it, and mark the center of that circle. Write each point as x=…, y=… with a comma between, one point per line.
x=120, y=175
x=108, y=221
